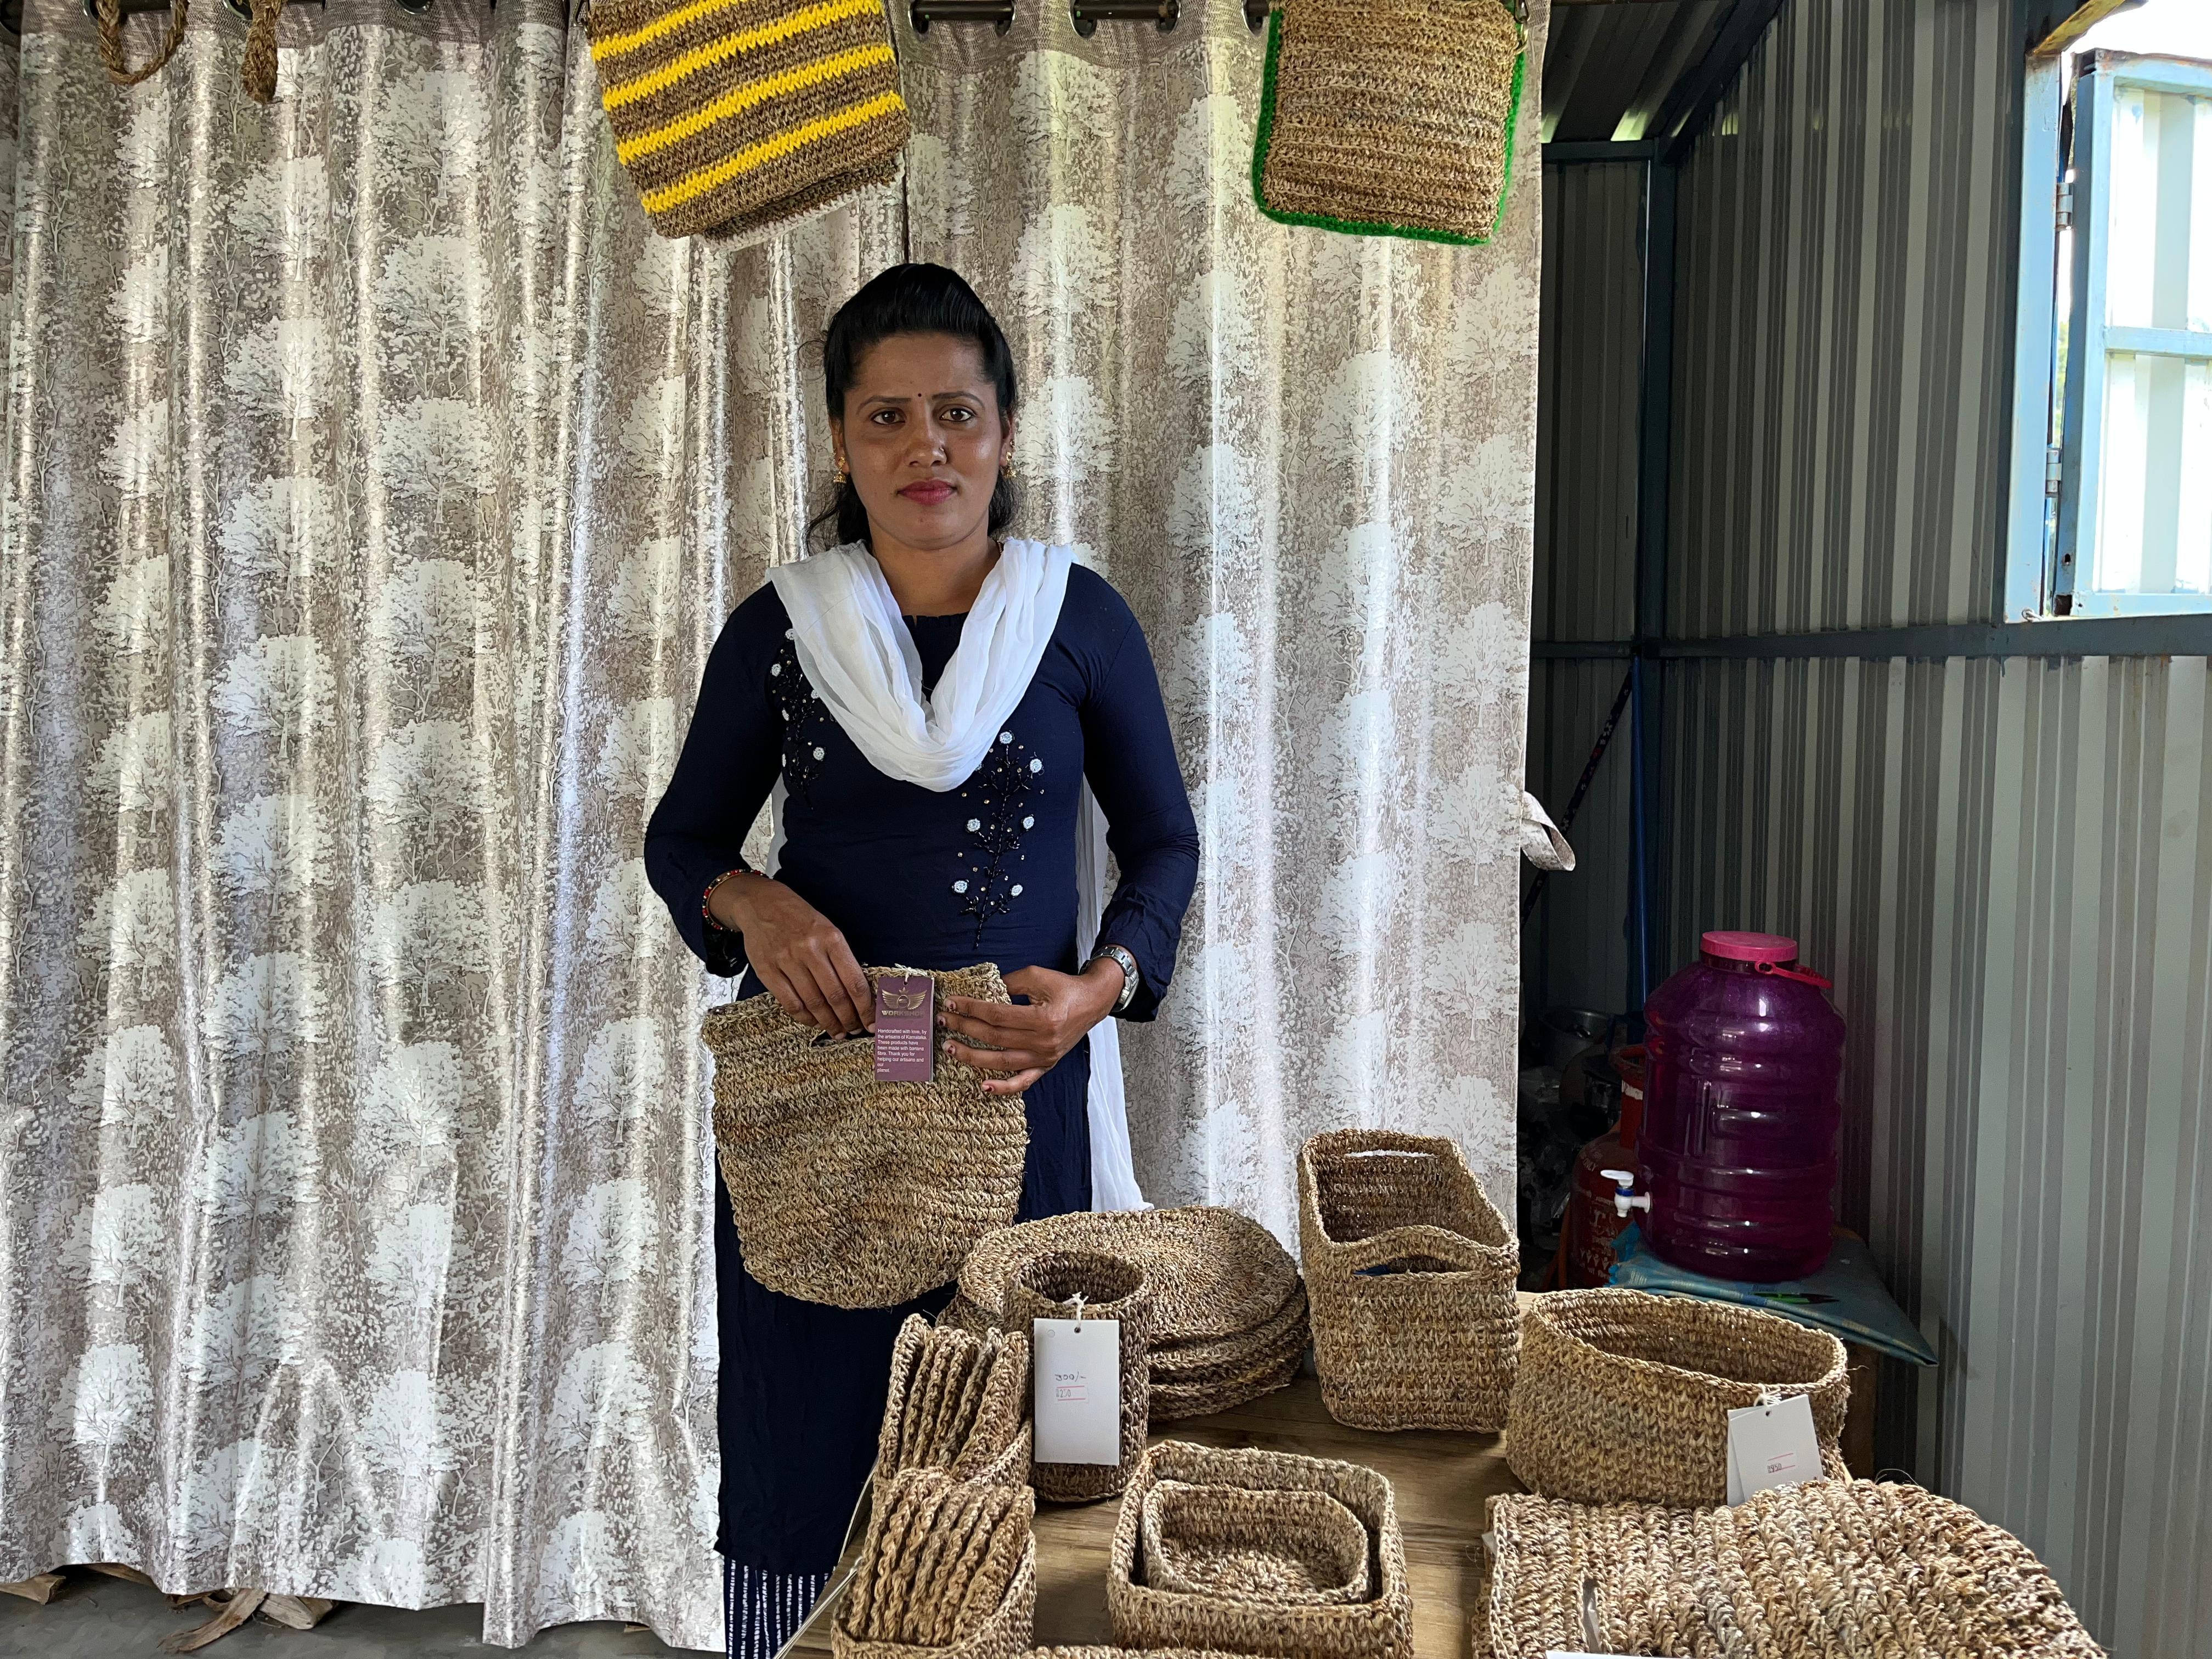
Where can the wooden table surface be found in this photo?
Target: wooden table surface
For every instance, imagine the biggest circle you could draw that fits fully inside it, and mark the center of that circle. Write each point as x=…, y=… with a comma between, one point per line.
x=1443, y=1483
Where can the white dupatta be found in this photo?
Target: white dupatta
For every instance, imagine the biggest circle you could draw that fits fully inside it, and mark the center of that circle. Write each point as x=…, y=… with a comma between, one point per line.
x=856, y=652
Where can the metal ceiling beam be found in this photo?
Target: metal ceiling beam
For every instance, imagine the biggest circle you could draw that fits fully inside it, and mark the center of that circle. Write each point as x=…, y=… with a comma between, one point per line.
x=1682, y=118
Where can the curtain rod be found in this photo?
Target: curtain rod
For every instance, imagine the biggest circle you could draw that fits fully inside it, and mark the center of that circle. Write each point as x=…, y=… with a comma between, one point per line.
x=1087, y=13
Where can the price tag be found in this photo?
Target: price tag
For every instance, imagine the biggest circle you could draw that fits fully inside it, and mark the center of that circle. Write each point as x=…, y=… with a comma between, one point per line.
x=1772, y=1446
x=1076, y=1365
x=906, y=1027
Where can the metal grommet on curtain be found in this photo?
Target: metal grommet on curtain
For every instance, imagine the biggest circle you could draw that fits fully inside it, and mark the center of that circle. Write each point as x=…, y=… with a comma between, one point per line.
x=108, y=19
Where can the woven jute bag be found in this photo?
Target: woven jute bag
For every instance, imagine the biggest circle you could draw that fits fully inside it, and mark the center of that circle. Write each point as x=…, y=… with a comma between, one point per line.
x=1829, y=1570
x=1390, y=117
x=1411, y=1271
x=1281, y=1545
x=1111, y=1287
x=947, y=1570
x=959, y=1403
x=846, y=1190
x=1623, y=1397
x=732, y=115
x=1146, y=1615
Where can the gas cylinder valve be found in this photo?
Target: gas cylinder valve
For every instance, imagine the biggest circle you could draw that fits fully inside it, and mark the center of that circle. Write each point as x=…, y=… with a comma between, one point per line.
x=1626, y=1197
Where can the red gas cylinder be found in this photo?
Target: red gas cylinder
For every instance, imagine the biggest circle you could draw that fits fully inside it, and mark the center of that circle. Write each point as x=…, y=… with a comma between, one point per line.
x=1592, y=1222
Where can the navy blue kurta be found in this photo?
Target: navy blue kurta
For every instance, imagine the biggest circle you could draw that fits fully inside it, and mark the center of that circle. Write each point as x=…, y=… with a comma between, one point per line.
x=985, y=872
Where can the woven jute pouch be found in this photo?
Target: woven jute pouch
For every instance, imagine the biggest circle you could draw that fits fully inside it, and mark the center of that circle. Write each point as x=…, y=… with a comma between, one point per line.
x=1411, y=1271
x=959, y=1403
x=1623, y=1397
x=1829, y=1570
x=1213, y=1273
x=947, y=1569
x=848, y=1191
x=1146, y=1615
x=1280, y=1546
x=1110, y=1287
x=1391, y=117
x=734, y=114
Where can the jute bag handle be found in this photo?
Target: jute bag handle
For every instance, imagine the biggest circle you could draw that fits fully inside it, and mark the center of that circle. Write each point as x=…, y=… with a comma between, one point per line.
x=257, y=70
x=107, y=15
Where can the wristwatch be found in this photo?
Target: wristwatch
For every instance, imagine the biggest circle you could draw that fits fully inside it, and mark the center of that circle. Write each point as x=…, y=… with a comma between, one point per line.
x=1128, y=964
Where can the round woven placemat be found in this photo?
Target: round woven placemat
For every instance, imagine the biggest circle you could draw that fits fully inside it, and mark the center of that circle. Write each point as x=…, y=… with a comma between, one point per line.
x=1623, y=1397
x=848, y=1191
x=1222, y=1356
x=1212, y=1272
x=1829, y=1570
x=1172, y=1402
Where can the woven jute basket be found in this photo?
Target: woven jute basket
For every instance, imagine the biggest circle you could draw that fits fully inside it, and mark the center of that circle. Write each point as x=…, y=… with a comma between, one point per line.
x=1829, y=1570
x=735, y=114
x=957, y=1403
x=1411, y=1272
x=1391, y=117
x=1145, y=1615
x=1110, y=1288
x=1282, y=1546
x=1623, y=1397
x=846, y=1190
x=948, y=1569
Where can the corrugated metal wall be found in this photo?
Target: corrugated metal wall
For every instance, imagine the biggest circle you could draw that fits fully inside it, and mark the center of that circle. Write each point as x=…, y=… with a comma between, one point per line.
x=2006, y=864
x=1574, y=953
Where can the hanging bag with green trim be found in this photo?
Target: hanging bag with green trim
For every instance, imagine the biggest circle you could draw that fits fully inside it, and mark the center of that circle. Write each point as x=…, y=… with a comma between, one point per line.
x=1391, y=118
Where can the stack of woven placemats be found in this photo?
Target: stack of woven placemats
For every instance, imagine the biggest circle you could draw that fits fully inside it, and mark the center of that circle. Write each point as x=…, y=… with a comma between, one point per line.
x=948, y=1567
x=959, y=1403
x=1229, y=1314
x=1623, y=1397
x=1254, y=1562
x=1828, y=1569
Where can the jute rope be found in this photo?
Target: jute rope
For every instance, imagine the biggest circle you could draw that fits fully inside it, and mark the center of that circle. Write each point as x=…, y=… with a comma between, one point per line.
x=108, y=15
x=257, y=70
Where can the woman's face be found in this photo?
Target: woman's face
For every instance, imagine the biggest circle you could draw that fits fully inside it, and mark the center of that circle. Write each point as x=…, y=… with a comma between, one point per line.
x=924, y=440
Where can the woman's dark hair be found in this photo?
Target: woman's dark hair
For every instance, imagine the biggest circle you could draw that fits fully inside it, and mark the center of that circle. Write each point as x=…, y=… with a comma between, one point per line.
x=910, y=300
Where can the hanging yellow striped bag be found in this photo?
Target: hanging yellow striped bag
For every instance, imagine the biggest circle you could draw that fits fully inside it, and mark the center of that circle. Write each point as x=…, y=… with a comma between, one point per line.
x=734, y=115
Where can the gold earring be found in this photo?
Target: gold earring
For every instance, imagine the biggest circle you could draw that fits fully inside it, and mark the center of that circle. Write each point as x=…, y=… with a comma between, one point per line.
x=1006, y=467
x=843, y=476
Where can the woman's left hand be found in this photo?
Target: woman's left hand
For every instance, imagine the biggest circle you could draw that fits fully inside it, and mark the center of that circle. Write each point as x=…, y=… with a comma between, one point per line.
x=1029, y=1039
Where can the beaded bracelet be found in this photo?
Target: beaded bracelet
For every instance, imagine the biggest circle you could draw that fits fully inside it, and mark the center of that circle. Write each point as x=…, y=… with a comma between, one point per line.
x=707, y=899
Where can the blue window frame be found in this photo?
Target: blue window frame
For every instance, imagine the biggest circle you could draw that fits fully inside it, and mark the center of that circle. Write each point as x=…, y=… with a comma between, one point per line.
x=2132, y=529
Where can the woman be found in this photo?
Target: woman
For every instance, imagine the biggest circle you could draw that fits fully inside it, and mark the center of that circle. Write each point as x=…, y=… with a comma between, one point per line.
x=925, y=701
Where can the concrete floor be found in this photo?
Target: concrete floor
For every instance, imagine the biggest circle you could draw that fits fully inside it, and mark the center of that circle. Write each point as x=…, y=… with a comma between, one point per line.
x=95, y=1616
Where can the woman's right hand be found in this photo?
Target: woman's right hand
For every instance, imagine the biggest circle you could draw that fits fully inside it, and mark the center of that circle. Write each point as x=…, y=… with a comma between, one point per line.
x=797, y=954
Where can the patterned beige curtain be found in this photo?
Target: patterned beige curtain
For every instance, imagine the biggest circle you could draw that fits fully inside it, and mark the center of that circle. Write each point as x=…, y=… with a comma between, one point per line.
x=375, y=484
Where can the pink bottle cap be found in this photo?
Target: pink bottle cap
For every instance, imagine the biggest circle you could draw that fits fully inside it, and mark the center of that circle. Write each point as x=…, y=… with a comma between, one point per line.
x=1749, y=947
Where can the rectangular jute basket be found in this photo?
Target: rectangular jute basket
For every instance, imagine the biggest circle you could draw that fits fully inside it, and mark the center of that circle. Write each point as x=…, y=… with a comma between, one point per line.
x=1280, y=1546
x=732, y=115
x=1144, y=1615
x=1411, y=1272
x=1623, y=1397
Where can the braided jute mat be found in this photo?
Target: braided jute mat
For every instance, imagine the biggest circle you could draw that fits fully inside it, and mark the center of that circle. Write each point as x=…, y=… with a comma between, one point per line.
x=1829, y=1570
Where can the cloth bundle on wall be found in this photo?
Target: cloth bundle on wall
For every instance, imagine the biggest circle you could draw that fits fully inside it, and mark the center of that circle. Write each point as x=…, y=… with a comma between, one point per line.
x=1391, y=118
x=738, y=115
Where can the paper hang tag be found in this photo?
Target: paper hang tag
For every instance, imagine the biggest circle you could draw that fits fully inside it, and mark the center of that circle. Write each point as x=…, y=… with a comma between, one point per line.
x=906, y=1027
x=1077, y=1365
x=1772, y=1446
